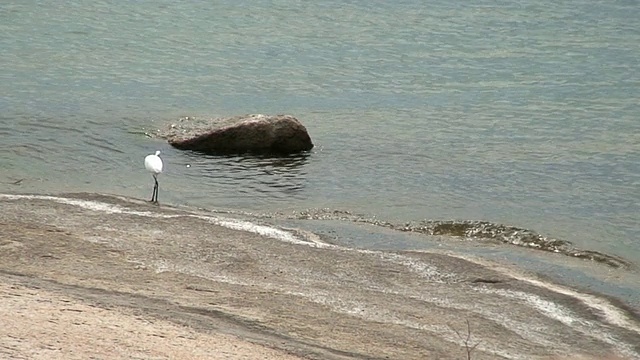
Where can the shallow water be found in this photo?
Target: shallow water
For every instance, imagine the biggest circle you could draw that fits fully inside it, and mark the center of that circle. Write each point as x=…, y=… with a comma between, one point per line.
x=524, y=114
x=616, y=283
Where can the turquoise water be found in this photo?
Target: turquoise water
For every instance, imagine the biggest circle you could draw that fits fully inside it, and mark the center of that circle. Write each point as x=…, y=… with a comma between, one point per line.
x=523, y=113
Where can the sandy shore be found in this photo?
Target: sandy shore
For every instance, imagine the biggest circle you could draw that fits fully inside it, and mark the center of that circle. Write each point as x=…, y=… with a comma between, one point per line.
x=89, y=276
x=42, y=324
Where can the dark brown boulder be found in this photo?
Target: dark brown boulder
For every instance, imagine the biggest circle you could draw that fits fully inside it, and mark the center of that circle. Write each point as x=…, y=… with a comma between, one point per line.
x=263, y=134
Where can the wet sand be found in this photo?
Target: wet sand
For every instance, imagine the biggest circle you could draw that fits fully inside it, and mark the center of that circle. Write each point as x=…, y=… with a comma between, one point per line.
x=98, y=276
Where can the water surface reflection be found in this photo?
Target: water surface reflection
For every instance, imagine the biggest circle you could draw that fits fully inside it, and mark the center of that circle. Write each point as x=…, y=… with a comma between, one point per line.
x=255, y=176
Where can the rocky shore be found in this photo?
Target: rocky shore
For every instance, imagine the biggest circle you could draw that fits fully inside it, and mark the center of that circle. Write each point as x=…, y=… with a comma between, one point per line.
x=95, y=276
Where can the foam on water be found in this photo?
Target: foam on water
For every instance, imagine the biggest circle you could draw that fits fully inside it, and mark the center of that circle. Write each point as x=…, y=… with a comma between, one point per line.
x=605, y=308
x=565, y=316
x=224, y=222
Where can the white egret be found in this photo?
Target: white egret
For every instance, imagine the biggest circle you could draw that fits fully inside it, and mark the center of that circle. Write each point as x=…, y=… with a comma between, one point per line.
x=153, y=164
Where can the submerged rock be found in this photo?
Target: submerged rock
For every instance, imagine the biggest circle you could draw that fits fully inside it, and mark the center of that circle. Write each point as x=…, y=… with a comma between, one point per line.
x=475, y=230
x=257, y=133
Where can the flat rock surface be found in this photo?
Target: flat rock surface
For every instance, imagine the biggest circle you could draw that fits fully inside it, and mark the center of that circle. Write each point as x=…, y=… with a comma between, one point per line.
x=92, y=276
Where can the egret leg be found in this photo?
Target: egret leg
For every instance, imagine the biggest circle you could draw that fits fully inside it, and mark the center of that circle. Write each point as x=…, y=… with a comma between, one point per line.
x=154, y=194
x=157, y=188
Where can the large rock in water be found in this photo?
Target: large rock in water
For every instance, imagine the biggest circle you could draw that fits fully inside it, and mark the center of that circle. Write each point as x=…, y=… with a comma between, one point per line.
x=263, y=134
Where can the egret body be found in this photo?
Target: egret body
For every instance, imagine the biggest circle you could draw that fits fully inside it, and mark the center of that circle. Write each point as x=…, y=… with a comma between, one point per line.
x=153, y=164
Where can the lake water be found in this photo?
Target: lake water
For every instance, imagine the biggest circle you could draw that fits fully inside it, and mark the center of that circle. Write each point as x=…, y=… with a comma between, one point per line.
x=521, y=113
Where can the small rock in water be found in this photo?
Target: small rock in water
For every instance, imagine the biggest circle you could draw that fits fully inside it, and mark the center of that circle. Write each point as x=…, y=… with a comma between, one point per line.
x=257, y=133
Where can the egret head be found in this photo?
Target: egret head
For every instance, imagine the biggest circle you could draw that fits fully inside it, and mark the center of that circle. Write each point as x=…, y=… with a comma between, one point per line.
x=157, y=152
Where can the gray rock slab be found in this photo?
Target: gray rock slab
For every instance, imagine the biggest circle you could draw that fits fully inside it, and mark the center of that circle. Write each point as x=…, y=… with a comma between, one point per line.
x=286, y=288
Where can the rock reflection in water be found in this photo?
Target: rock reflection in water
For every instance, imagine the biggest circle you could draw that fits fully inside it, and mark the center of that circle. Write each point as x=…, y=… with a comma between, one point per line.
x=273, y=176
